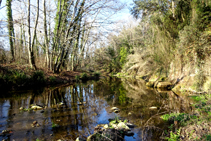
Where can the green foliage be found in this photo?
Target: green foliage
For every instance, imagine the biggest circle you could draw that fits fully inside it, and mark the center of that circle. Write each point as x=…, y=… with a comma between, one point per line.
x=125, y=121
x=123, y=55
x=38, y=77
x=202, y=105
x=208, y=137
x=19, y=77
x=52, y=78
x=96, y=75
x=122, y=95
x=84, y=76
x=54, y=125
x=174, y=136
x=182, y=118
x=77, y=77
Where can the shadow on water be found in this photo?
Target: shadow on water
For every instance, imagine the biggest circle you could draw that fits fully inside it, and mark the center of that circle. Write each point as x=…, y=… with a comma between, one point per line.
x=75, y=110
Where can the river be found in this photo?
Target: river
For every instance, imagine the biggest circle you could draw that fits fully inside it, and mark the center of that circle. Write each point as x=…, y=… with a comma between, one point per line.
x=74, y=111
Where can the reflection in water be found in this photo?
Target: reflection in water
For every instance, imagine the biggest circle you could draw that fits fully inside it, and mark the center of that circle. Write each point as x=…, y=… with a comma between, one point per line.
x=73, y=111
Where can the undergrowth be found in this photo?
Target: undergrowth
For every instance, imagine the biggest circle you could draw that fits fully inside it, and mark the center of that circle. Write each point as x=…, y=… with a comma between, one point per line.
x=182, y=121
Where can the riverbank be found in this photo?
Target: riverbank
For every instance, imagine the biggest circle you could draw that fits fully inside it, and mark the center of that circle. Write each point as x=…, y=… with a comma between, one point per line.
x=184, y=126
x=13, y=77
x=191, y=126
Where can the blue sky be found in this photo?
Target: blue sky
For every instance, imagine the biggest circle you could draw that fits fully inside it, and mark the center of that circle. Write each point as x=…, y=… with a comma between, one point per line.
x=122, y=14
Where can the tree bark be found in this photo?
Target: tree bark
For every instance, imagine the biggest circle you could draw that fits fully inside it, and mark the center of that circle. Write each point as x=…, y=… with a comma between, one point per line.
x=46, y=36
x=10, y=28
x=31, y=45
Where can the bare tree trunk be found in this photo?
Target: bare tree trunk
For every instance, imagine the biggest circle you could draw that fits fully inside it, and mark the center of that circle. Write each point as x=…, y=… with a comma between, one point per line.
x=173, y=9
x=46, y=36
x=31, y=46
x=10, y=28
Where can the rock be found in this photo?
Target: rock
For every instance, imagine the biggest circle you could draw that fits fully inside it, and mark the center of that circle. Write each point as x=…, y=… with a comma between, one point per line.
x=99, y=128
x=80, y=103
x=122, y=126
x=129, y=133
x=61, y=103
x=35, y=107
x=153, y=108
x=80, y=139
x=21, y=108
x=116, y=111
x=105, y=126
x=6, y=131
x=91, y=137
x=114, y=108
x=34, y=122
x=32, y=125
x=130, y=125
x=167, y=85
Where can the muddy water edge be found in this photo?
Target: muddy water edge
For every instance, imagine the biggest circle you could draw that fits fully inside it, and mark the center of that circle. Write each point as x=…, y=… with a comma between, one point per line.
x=74, y=111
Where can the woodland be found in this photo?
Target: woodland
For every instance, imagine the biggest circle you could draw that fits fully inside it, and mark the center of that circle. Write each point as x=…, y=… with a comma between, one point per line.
x=62, y=41
x=171, y=40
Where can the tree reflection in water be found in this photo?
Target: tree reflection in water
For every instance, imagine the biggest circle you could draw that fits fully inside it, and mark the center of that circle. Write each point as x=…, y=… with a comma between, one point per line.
x=78, y=108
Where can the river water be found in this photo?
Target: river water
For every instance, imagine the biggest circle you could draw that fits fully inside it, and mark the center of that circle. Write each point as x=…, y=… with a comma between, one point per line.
x=85, y=105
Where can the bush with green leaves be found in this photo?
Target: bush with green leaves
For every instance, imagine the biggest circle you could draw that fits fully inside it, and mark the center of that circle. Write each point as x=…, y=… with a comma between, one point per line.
x=84, y=76
x=38, y=77
x=52, y=78
x=96, y=74
x=77, y=77
x=19, y=78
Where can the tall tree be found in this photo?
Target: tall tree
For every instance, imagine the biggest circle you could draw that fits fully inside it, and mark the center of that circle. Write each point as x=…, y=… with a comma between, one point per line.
x=46, y=35
x=31, y=45
x=10, y=28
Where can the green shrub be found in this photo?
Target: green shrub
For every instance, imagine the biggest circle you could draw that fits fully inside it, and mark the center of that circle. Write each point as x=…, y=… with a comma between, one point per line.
x=52, y=78
x=84, y=76
x=19, y=78
x=77, y=77
x=174, y=137
x=96, y=75
x=38, y=77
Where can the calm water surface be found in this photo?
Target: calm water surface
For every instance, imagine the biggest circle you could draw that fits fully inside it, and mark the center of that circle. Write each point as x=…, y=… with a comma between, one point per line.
x=85, y=106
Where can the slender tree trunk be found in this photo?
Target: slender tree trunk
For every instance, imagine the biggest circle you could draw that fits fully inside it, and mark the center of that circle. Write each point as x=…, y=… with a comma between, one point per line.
x=10, y=28
x=46, y=35
x=31, y=45
x=29, y=35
